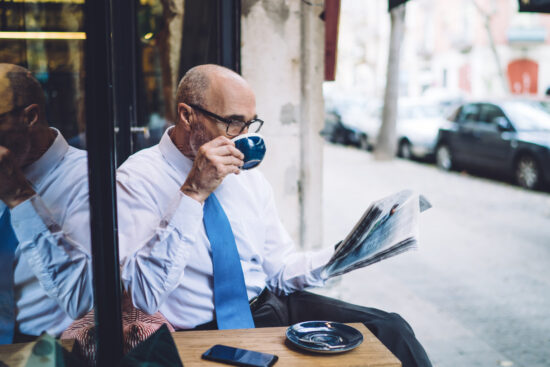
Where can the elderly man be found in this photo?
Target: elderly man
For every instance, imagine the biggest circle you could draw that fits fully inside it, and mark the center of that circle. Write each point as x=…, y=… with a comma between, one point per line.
x=44, y=225
x=201, y=240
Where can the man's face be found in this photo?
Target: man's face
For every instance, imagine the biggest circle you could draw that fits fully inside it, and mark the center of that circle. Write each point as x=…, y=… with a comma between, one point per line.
x=230, y=99
x=14, y=134
x=13, y=127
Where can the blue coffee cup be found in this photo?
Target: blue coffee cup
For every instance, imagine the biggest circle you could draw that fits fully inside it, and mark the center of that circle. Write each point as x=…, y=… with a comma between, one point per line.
x=253, y=147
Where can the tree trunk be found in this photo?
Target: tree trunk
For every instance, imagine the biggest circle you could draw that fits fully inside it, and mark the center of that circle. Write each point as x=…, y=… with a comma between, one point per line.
x=487, y=17
x=386, y=143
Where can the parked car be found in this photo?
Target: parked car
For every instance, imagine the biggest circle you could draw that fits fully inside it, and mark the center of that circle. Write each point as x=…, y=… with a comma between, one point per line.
x=418, y=123
x=335, y=131
x=510, y=137
x=339, y=127
x=417, y=130
x=541, y=103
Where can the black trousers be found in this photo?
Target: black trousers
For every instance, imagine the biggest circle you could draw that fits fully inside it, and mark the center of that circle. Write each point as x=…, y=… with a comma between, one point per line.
x=271, y=310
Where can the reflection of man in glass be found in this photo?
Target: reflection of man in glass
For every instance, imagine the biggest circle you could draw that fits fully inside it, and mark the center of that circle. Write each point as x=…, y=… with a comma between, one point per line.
x=44, y=217
x=201, y=240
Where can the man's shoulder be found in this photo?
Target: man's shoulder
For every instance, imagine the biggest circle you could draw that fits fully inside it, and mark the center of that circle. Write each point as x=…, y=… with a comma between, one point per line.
x=146, y=163
x=74, y=165
x=76, y=155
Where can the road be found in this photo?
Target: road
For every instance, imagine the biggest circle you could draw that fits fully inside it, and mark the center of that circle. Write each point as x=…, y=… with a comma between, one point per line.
x=477, y=291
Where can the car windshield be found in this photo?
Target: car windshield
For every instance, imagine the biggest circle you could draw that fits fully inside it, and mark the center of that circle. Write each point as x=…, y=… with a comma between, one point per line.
x=545, y=105
x=420, y=111
x=527, y=117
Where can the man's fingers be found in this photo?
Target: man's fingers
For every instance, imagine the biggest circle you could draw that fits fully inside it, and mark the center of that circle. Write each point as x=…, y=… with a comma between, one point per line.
x=220, y=146
x=219, y=141
x=228, y=150
x=230, y=160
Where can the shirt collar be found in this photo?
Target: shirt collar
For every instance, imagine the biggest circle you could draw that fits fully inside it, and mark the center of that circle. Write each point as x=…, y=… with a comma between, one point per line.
x=38, y=169
x=173, y=156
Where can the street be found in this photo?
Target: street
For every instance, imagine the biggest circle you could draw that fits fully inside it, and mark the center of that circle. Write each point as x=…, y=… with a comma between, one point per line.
x=477, y=290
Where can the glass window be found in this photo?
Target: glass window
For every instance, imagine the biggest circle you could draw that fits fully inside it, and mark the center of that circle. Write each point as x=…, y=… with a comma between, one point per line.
x=173, y=37
x=47, y=38
x=489, y=113
x=469, y=112
x=526, y=117
x=45, y=232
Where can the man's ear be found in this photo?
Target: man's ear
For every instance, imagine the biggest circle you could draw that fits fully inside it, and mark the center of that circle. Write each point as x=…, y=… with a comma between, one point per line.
x=185, y=114
x=32, y=114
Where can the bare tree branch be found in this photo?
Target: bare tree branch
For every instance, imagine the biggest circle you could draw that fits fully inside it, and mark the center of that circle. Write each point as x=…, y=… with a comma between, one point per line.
x=487, y=17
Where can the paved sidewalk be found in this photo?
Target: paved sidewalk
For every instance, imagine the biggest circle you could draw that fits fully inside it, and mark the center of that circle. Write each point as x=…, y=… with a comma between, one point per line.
x=477, y=292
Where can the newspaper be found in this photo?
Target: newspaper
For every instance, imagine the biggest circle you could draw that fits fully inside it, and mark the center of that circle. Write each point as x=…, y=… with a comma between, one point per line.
x=387, y=228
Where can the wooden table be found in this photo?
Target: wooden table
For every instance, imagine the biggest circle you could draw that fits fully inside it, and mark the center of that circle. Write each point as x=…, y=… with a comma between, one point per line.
x=18, y=354
x=192, y=344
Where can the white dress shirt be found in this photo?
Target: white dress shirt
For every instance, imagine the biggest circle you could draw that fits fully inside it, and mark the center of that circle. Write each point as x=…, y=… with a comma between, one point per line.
x=164, y=249
x=53, y=282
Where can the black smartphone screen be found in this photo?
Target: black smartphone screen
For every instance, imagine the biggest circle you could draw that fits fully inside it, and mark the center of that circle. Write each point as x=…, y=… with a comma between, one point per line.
x=239, y=357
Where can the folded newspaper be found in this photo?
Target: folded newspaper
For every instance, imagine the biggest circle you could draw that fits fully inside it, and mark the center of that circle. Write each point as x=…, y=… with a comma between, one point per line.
x=388, y=227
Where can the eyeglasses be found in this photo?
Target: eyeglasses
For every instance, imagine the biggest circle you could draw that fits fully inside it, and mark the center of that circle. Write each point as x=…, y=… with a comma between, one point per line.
x=234, y=127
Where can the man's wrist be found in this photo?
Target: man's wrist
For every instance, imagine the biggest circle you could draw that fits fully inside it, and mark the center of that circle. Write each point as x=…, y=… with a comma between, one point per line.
x=193, y=193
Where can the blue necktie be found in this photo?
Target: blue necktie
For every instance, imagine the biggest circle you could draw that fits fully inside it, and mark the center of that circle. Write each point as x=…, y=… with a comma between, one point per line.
x=8, y=244
x=230, y=298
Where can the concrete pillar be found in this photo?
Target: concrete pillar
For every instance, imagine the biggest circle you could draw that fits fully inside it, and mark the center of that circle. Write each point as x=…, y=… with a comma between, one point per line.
x=282, y=45
x=312, y=121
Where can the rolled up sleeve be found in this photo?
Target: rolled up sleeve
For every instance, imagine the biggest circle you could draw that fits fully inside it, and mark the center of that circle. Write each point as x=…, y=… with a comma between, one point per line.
x=58, y=257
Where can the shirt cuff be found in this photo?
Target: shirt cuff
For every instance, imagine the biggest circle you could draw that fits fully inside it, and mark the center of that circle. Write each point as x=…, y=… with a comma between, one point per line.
x=187, y=213
x=318, y=261
x=29, y=219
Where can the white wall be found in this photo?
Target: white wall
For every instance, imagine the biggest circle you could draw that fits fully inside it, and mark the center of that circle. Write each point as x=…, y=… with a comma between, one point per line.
x=282, y=48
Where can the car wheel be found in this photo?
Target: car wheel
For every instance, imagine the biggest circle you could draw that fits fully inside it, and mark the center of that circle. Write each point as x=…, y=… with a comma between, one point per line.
x=404, y=149
x=527, y=172
x=363, y=142
x=443, y=157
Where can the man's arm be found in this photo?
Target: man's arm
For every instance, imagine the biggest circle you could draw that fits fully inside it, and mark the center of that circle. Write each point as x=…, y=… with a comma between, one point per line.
x=61, y=265
x=288, y=270
x=154, y=258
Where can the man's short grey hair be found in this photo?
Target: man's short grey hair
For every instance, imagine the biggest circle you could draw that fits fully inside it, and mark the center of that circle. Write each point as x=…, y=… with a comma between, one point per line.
x=193, y=86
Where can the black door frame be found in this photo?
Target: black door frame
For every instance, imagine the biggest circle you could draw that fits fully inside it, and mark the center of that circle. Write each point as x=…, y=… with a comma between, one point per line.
x=111, y=98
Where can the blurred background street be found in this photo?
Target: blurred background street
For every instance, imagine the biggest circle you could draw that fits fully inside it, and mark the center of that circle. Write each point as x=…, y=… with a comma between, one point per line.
x=477, y=291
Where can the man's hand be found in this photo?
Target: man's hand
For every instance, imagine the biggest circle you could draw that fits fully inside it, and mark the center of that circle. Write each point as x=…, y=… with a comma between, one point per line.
x=14, y=187
x=214, y=160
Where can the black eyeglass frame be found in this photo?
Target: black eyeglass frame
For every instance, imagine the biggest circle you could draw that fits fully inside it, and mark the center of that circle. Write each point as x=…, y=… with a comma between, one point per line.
x=228, y=122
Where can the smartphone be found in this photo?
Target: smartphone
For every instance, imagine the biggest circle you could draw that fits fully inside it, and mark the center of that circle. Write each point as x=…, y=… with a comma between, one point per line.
x=239, y=357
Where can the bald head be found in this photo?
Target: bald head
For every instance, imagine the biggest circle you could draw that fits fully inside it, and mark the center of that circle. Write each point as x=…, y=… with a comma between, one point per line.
x=205, y=82
x=217, y=91
x=19, y=88
x=24, y=131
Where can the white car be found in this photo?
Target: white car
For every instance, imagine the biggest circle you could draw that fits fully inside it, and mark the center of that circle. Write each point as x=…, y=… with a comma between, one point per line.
x=417, y=129
x=418, y=124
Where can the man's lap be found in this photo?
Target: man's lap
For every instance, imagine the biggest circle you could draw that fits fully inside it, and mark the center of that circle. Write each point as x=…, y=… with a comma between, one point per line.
x=390, y=328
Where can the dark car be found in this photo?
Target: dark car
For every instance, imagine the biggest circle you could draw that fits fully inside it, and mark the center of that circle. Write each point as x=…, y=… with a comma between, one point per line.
x=510, y=137
x=338, y=132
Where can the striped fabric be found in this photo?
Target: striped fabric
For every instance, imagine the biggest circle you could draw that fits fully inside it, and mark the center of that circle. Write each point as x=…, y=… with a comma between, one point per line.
x=136, y=327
